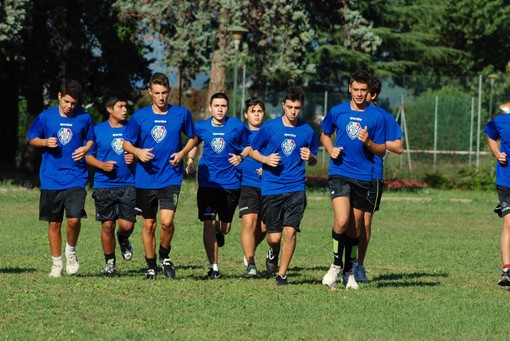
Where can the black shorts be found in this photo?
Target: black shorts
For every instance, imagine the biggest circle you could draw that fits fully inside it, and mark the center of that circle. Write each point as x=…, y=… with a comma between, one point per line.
x=250, y=200
x=217, y=201
x=114, y=203
x=52, y=204
x=147, y=200
x=281, y=210
x=504, y=200
x=357, y=190
x=374, y=195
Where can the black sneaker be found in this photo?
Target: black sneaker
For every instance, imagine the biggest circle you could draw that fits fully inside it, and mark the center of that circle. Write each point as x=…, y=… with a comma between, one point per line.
x=281, y=280
x=498, y=211
x=220, y=238
x=271, y=261
x=126, y=250
x=213, y=274
x=504, y=280
x=168, y=268
x=150, y=274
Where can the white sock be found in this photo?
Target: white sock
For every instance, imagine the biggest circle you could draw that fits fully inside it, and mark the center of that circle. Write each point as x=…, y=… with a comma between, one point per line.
x=57, y=261
x=214, y=267
x=70, y=249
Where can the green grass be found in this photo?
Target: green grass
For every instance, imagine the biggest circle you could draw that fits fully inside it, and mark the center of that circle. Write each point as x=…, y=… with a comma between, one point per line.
x=433, y=264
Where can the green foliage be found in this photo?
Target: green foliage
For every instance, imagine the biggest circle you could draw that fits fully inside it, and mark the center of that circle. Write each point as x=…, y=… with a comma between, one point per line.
x=465, y=179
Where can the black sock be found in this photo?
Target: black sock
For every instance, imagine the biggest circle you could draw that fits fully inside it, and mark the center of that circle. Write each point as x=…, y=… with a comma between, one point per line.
x=151, y=263
x=108, y=257
x=164, y=253
x=122, y=237
x=351, y=251
x=338, y=247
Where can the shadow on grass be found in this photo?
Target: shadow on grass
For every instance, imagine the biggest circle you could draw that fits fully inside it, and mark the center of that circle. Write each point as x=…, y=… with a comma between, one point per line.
x=15, y=270
x=403, y=280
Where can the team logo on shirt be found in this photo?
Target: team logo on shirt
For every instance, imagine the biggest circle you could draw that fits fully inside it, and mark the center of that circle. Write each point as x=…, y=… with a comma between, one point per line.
x=288, y=146
x=158, y=133
x=218, y=144
x=352, y=129
x=117, y=145
x=65, y=135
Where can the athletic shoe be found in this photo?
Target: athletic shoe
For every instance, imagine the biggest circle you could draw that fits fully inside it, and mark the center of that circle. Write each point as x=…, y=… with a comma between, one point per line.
x=109, y=269
x=220, y=238
x=360, y=275
x=168, y=268
x=350, y=281
x=213, y=274
x=281, y=280
x=126, y=249
x=498, y=211
x=271, y=261
x=150, y=274
x=56, y=271
x=251, y=270
x=72, y=264
x=504, y=280
x=330, y=277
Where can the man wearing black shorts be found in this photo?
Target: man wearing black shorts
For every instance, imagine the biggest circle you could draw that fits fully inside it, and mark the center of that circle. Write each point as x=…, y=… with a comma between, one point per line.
x=114, y=183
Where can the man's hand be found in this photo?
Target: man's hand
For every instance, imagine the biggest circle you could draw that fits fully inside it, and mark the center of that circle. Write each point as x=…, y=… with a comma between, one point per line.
x=79, y=153
x=51, y=142
x=129, y=158
x=108, y=166
x=272, y=160
x=144, y=155
x=335, y=153
x=502, y=158
x=235, y=159
x=176, y=158
x=363, y=135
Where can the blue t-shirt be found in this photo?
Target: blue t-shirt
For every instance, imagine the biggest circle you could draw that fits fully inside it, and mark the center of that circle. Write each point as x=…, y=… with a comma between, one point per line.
x=108, y=147
x=355, y=161
x=58, y=169
x=275, y=137
x=393, y=133
x=499, y=129
x=214, y=170
x=249, y=167
x=162, y=132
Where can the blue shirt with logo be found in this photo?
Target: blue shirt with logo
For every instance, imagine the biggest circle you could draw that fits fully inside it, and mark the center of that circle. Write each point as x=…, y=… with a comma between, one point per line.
x=214, y=169
x=499, y=129
x=108, y=147
x=356, y=161
x=249, y=166
x=58, y=169
x=275, y=137
x=162, y=133
x=393, y=133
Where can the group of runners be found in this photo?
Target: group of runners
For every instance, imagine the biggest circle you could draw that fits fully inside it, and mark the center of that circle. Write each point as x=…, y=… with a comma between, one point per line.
x=259, y=167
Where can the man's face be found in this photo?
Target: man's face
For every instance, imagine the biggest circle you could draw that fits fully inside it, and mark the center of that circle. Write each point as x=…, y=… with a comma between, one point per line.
x=255, y=115
x=159, y=94
x=118, y=111
x=67, y=104
x=292, y=109
x=358, y=92
x=219, y=108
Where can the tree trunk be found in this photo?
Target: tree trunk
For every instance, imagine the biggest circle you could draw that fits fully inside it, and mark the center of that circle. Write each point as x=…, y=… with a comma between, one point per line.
x=217, y=82
x=9, y=112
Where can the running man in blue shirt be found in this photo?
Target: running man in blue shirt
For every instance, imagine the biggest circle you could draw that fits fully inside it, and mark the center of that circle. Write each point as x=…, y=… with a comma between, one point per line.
x=114, y=182
x=65, y=134
x=393, y=144
x=153, y=135
x=360, y=134
x=253, y=230
x=283, y=145
x=498, y=129
x=219, y=174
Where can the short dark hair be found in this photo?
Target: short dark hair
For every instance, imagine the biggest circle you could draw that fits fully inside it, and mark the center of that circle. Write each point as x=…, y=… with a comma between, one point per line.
x=360, y=76
x=375, y=85
x=219, y=95
x=294, y=93
x=160, y=79
x=72, y=88
x=253, y=102
x=112, y=98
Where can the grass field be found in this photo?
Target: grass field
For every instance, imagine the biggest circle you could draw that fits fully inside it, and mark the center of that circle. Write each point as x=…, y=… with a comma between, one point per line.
x=433, y=265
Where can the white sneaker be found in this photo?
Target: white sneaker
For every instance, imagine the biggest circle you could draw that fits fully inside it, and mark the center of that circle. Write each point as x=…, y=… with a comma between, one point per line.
x=72, y=264
x=330, y=277
x=360, y=274
x=350, y=281
x=56, y=271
